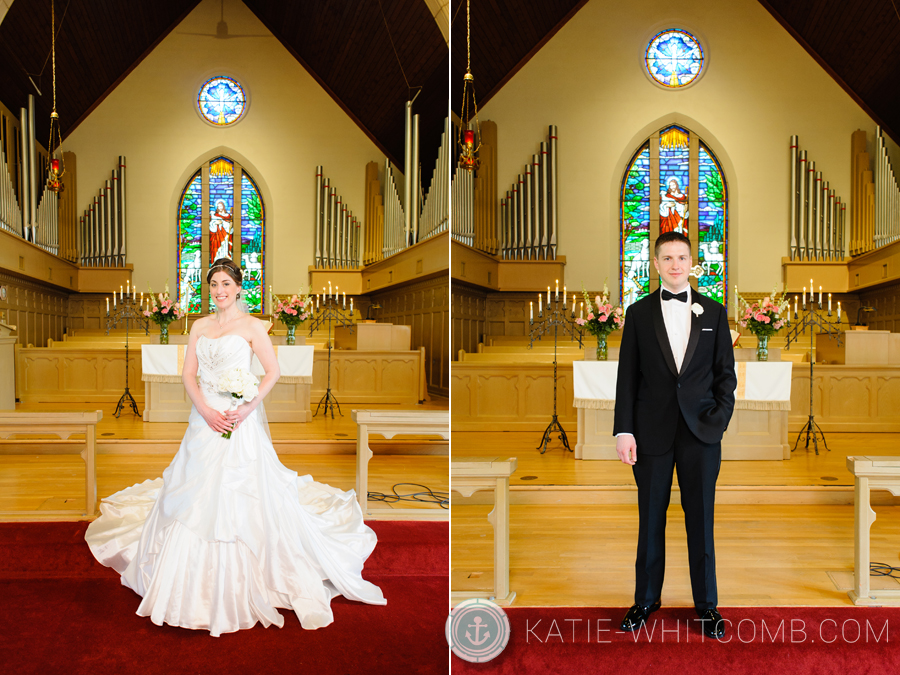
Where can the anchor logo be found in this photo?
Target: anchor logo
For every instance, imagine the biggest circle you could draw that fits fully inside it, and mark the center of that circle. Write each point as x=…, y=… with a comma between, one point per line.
x=478, y=626
x=477, y=630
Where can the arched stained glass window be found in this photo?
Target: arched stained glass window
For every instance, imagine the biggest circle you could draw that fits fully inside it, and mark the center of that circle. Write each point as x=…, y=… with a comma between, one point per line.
x=673, y=183
x=674, y=58
x=208, y=229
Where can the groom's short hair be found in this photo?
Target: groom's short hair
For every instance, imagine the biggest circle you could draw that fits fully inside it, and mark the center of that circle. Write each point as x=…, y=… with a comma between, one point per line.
x=668, y=238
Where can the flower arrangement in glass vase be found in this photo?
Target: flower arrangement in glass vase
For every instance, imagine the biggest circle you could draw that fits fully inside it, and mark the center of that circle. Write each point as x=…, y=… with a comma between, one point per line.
x=292, y=313
x=162, y=311
x=764, y=318
x=602, y=319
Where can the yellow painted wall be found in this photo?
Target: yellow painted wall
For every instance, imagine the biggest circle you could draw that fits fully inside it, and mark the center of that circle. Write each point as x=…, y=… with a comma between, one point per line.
x=759, y=88
x=292, y=125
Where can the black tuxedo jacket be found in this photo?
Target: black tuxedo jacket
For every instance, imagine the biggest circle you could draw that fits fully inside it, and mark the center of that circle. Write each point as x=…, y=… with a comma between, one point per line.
x=650, y=392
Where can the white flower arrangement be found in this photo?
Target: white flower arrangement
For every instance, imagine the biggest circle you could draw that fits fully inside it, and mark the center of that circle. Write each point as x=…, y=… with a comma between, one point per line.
x=242, y=385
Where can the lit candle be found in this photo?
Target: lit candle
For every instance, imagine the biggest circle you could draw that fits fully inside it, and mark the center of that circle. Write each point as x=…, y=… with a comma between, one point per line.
x=324, y=294
x=573, y=302
x=531, y=311
x=581, y=306
x=829, y=304
x=820, y=297
x=795, y=307
x=345, y=299
x=329, y=289
x=128, y=287
x=839, y=311
x=114, y=301
x=804, y=297
x=557, y=290
x=541, y=303
x=564, y=295
x=107, y=305
x=548, y=297
x=121, y=296
x=351, y=306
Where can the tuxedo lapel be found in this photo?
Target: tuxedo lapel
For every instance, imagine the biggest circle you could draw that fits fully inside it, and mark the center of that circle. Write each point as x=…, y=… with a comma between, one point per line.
x=695, y=335
x=662, y=336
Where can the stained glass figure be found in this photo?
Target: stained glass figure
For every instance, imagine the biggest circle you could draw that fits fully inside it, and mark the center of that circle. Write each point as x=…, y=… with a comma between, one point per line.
x=673, y=180
x=674, y=58
x=253, y=244
x=635, y=241
x=712, y=227
x=222, y=100
x=641, y=221
x=190, y=232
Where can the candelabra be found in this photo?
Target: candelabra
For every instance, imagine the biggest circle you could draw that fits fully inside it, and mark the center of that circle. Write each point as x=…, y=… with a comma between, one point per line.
x=126, y=309
x=556, y=317
x=813, y=319
x=332, y=313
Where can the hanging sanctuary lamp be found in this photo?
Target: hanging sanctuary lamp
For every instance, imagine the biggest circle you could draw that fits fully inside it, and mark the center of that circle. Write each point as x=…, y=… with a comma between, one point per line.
x=56, y=167
x=469, y=133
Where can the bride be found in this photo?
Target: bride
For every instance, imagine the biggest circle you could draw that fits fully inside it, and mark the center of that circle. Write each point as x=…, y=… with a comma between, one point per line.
x=229, y=534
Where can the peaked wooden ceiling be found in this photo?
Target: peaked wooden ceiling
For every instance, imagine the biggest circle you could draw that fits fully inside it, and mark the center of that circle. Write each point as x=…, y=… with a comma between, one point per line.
x=344, y=45
x=856, y=41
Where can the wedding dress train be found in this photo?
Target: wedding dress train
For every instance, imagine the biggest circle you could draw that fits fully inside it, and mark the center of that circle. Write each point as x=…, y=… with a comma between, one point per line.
x=229, y=534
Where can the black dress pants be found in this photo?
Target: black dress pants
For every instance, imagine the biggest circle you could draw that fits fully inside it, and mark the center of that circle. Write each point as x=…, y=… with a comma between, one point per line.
x=697, y=464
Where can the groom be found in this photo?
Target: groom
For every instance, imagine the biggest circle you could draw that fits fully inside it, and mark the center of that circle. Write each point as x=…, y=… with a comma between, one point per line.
x=674, y=399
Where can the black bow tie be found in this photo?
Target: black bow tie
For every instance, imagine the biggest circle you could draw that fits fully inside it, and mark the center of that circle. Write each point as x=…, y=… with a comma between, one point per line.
x=680, y=297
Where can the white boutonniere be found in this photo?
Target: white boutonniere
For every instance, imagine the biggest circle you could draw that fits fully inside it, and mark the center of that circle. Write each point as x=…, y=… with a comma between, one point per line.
x=697, y=308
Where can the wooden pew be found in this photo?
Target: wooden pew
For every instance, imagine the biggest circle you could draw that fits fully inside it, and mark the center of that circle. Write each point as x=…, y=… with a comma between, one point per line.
x=62, y=425
x=469, y=475
x=390, y=423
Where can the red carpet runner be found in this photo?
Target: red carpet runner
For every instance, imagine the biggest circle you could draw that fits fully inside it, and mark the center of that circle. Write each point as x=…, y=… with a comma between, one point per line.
x=810, y=641
x=62, y=612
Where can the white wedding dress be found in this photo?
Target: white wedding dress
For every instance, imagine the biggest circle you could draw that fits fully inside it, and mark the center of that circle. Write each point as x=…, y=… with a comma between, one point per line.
x=229, y=533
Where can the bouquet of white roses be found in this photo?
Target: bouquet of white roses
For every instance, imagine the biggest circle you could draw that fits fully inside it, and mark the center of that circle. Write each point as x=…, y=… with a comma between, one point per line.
x=242, y=386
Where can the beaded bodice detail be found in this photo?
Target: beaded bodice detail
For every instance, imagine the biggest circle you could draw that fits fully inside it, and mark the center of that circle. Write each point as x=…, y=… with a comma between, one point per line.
x=216, y=356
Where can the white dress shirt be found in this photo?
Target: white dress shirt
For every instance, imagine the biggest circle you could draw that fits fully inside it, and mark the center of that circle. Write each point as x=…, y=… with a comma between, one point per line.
x=677, y=317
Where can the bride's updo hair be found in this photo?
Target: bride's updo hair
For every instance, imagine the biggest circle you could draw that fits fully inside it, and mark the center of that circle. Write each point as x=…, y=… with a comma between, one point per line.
x=228, y=266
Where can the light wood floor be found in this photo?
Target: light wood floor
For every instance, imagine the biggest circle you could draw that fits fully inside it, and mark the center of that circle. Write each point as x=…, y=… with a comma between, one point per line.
x=131, y=451
x=559, y=467
x=584, y=555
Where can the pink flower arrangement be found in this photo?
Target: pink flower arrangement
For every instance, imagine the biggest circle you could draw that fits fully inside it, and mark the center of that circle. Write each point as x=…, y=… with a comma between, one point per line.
x=162, y=310
x=291, y=312
x=603, y=317
x=764, y=317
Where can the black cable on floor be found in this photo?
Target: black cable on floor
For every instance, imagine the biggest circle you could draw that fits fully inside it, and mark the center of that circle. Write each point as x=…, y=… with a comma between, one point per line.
x=427, y=496
x=877, y=569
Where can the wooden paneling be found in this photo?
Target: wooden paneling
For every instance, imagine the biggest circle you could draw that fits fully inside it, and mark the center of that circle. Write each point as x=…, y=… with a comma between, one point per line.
x=76, y=375
x=369, y=377
x=857, y=43
x=468, y=316
x=345, y=46
x=38, y=312
x=425, y=307
x=98, y=44
x=519, y=397
x=886, y=302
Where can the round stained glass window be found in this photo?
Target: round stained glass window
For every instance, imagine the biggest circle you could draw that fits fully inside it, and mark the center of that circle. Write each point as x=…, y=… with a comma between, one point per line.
x=674, y=58
x=222, y=101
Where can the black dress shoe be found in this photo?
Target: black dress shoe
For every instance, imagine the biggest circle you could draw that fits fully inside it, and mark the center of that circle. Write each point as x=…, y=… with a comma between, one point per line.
x=637, y=616
x=713, y=624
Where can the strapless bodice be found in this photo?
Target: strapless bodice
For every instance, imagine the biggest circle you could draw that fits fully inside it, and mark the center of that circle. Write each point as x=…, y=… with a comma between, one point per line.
x=215, y=357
